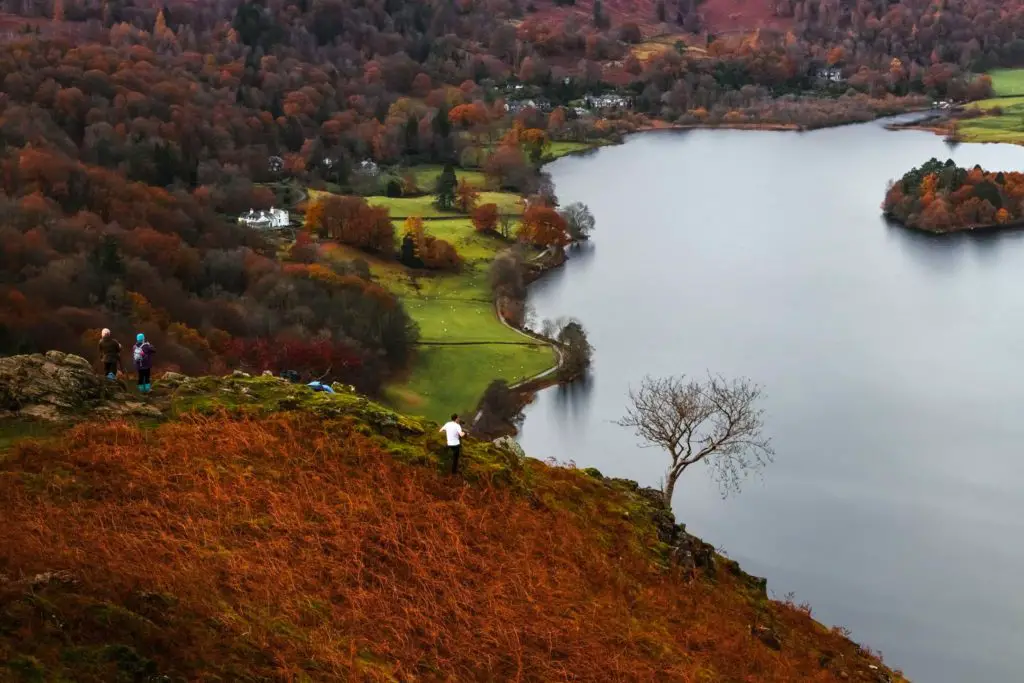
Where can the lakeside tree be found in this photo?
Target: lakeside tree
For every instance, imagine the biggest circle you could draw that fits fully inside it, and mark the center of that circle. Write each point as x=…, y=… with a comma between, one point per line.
x=579, y=221
x=506, y=274
x=716, y=422
x=577, y=351
x=543, y=227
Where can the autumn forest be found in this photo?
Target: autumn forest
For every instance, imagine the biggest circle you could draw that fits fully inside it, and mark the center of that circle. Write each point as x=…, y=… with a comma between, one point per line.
x=132, y=136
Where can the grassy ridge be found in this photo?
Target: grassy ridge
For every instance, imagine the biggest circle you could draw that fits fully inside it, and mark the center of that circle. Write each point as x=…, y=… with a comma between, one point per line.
x=325, y=543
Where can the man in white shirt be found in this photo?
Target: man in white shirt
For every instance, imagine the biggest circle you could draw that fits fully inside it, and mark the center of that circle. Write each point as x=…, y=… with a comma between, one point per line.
x=453, y=430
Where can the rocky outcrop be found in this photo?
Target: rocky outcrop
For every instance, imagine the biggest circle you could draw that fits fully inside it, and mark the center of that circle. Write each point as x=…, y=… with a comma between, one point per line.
x=59, y=386
x=685, y=549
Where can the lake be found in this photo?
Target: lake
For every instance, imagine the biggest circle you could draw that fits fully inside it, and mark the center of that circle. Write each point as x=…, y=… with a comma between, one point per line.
x=892, y=362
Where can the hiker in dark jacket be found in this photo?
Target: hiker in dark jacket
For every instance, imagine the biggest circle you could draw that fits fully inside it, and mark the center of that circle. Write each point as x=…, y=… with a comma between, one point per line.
x=142, y=355
x=110, y=353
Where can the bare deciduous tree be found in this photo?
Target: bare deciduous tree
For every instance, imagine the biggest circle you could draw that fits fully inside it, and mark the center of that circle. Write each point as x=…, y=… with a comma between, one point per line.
x=715, y=421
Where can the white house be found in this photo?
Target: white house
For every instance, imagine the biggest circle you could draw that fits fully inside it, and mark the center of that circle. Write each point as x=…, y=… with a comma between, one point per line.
x=368, y=167
x=831, y=74
x=265, y=220
x=607, y=101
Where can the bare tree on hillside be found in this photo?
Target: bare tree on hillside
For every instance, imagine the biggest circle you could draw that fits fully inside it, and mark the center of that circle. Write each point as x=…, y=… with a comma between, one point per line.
x=715, y=421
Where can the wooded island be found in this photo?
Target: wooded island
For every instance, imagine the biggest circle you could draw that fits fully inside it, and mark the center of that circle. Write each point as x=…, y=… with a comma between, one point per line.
x=943, y=197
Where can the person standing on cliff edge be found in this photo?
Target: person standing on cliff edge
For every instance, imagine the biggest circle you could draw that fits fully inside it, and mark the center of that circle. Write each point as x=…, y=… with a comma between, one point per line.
x=142, y=356
x=453, y=430
x=110, y=353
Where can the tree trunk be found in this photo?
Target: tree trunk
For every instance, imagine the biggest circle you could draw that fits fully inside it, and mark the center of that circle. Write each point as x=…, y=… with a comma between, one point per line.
x=668, y=490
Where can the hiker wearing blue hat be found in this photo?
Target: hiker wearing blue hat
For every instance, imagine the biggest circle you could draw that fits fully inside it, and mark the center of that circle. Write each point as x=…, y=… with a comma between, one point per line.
x=142, y=355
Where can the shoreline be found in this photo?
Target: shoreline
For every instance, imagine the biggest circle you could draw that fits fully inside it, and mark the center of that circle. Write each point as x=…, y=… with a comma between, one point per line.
x=525, y=390
x=969, y=229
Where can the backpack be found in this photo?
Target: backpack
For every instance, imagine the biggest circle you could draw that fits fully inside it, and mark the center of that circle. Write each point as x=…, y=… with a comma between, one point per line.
x=138, y=353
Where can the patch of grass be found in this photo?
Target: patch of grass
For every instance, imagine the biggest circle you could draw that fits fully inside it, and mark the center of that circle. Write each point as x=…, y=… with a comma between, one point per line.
x=658, y=45
x=459, y=320
x=426, y=176
x=14, y=430
x=423, y=206
x=1007, y=127
x=1007, y=82
x=448, y=379
x=560, y=148
x=454, y=308
x=470, y=244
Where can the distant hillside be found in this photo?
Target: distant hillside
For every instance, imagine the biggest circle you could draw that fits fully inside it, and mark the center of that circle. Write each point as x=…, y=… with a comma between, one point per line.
x=261, y=531
x=718, y=16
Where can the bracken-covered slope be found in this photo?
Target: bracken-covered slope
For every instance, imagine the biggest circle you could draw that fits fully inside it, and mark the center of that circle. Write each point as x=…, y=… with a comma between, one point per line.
x=263, y=532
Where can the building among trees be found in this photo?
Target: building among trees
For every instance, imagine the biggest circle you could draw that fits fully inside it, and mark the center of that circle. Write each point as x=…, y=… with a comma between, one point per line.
x=265, y=220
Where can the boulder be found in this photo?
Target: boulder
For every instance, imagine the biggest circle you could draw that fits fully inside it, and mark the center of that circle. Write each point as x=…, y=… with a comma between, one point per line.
x=58, y=385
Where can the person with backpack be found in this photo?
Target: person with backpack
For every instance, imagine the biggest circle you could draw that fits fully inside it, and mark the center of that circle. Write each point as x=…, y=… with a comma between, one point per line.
x=142, y=355
x=110, y=354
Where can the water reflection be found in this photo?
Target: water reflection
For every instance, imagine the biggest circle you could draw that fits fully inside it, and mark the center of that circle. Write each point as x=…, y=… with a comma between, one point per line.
x=571, y=402
x=939, y=253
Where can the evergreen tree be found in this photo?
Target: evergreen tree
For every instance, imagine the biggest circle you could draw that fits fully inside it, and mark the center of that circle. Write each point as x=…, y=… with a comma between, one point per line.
x=409, y=254
x=446, y=184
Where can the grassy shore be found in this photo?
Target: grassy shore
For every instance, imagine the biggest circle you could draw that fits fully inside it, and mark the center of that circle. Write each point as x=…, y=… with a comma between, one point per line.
x=464, y=346
x=1004, y=118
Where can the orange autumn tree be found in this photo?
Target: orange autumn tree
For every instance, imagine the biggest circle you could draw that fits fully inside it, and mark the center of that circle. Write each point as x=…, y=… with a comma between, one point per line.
x=466, y=196
x=535, y=142
x=542, y=226
x=468, y=115
x=485, y=217
x=420, y=250
x=352, y=221
x=314, y=219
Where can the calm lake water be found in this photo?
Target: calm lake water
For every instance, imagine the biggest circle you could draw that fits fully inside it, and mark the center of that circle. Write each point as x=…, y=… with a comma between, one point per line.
x=893, y=365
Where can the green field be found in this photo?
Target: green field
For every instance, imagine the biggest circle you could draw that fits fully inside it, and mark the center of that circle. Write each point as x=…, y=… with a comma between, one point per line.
x=1007, y=82
x=423, y=206
x=560, y=149
x=1006, y=127
x=470, y=244
x=463, y=344
x=447, y=379
x=427, y=174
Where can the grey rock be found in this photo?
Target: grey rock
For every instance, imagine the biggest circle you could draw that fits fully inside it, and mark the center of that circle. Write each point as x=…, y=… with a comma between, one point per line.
x=56, y=386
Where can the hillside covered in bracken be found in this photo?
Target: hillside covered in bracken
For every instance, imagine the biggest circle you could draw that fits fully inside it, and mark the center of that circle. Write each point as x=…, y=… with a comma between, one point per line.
x=258, y=531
